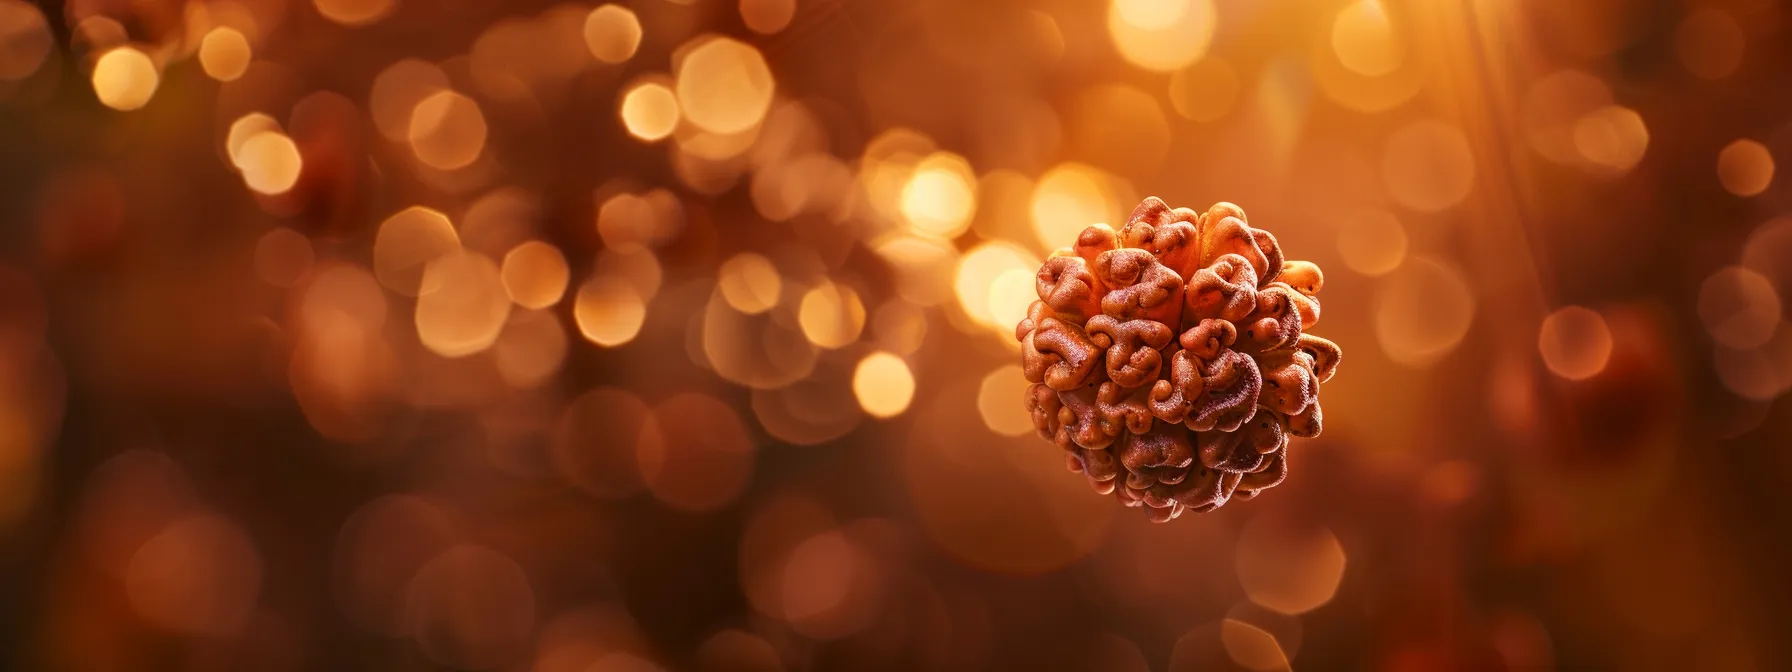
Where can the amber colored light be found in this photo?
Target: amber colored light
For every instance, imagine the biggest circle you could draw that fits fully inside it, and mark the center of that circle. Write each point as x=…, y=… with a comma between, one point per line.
x=25, y=39
x=405, y=244
x=767, y=16
x=831, y=315
x=650, y=111
x=609, y=311
x=1710, y=43
x=724, y=85
x=535, y=274
x=1161, y=35
x=355, y=12
x=1575, y=342
x=447, y=131
x=749, y=283
x=884, y=384
x=224, y=54
x=466, y=306
x=1428, y=166
x=1422, y=311
x=1364, y=39
x=1745, y=167
x=270, y=162
x=612, y=33
x=282, y=257
x=125, y=79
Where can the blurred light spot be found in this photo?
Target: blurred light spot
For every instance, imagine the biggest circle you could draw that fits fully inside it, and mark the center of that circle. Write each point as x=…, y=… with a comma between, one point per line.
x=1768, y=250
x=270, y=163
x=736, y=651
x=767, y=16
x=447, y=131
x=1710, y=43
x=471, y=607
x=128, y=499
x=826, y=584
x=396, y=92
x=773, y=531
x=1372, y=242
x=1066, y=200
x=342, y=291
x=1174, y=33
x=1252, y=647
x=1553, y=108
x=766, y=351
x=1422, y=311
x=1428, y=166
x=24, y=39
x=640, y=269
x=380, y=548
x=596, y=440
x=899, y=326
x=1575, y=342
x=633, y=222
x=1739, y=307
x=749, y=283
x=125, y=78
x=612, y=33
x=1291, y=571
x=831, y=315
x=1206, y=90
x=199, y=576
x=283, y=257
x=883, y=384
x=939, y=198
x=609, y=311
x=1364, y=39
x=923, y=266
x=724, y=85
x=405, y=245
x=999, y=401
x=1612, y=137
x=1451, y=482
x=1011, y=294
x=535, y=274
x=245, y=127
x=1745, y=167
x=531, y=348
x=977, y=282
x=465, y=307
x=355, y=12
x=650, y=111
x=704, y=458
x=1751, y=373
x=224, y=54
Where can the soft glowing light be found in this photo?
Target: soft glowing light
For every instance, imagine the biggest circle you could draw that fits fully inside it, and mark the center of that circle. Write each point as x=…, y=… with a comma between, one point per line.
x=535, y=274
x=1066, y=200
x=355, y=12
x=883, y=384
x=24, y=39
x=1745, y=167
x=1252, y=647
x=1287, y=570
x=465, y=308
x=1422, y=311
x=471, y=608
x=1428, y=166
x=1739, y=307
x=447, y=131
x=1575, y=342
x=650, y=111
x=531, y=348
x=1612, y=137
x=1552, y=108
x=609, y=311
x=396, y=92
x=1204, y=91
x=633, y=222
x=379, y=549
x=1709, y=43
x=270, y=162
x=996, y=401
x=831, y=315
x=1372, y=242
x=612, y=33
x=749, y=283
x=1168, y=34
x=125, y=78
x=405, y=245
x=767, y=16
x=1365, y=41
x=940, y=196
x=224, y=54
x=1013, y=291
x=701, y=458
x=976, y=282
x=724, y=85
x=245, y=127
x=283, y=257
x=200, y=576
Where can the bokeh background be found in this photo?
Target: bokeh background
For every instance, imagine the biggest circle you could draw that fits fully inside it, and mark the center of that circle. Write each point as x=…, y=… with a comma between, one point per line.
x=677, y=334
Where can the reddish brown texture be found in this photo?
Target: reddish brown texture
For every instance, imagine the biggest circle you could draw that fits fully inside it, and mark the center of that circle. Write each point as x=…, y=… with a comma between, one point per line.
x=1171, y=359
